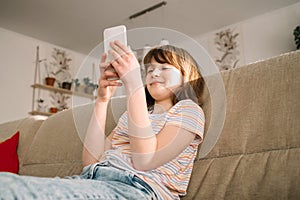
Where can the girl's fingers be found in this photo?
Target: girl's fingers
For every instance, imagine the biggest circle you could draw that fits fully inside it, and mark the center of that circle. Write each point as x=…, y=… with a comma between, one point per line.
x=103, y=57
x=110, y=73
x=114, y=54
x=103, y=65
x=107, y=83
x=117, y=48
x=122, y=47
x=117, y=59
x=119, y=51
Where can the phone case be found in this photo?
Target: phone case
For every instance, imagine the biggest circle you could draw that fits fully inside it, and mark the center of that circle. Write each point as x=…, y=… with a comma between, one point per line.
x=112, y=34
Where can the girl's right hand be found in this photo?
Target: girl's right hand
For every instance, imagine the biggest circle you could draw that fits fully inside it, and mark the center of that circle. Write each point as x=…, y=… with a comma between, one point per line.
x=107, y=83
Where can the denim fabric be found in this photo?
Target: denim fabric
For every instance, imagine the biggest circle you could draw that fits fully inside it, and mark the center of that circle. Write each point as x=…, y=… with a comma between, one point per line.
x=98, y=181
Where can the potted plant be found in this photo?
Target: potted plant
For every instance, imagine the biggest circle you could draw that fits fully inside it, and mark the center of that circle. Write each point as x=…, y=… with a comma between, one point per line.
x=297, y=36
x=59, y=102
x=89, y=86
x=49, y=80
x=76, y=83
x=41, y=107
x=59, y=70
x=67, y=85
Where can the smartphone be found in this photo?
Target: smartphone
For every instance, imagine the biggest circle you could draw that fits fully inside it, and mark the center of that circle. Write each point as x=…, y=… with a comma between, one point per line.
x=112, y=34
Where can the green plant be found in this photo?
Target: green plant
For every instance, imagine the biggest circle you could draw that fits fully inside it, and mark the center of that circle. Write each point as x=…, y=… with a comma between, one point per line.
x=49, y=71
x=297, y=36
x=76, y=82
x=86, y=81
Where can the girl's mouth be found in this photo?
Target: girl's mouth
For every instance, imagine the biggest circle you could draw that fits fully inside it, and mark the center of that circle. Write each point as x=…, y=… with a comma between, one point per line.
x=155, y=83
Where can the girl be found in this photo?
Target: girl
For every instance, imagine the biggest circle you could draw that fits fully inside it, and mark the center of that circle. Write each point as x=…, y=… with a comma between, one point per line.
x=156, y=140
x=150, y=153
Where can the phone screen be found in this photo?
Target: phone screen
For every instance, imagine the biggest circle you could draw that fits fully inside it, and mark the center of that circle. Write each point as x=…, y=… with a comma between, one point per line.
x=112, y=34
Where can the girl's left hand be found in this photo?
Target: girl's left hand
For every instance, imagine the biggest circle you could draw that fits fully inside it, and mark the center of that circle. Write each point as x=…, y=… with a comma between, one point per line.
x=106, y=87
x=125, y=64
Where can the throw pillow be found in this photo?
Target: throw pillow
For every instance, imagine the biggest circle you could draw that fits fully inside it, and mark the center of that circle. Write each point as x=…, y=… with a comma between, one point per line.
x=9, y=161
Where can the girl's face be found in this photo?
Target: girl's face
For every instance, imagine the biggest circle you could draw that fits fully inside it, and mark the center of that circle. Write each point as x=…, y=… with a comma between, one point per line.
x=162, y=80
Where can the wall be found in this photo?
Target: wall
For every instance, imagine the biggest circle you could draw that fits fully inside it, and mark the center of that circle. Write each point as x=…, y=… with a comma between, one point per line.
x=271, y=34
x=262, y=37
x=17, y=64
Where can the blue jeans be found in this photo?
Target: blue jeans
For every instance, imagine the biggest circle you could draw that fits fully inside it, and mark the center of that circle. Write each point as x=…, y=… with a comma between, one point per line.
x=98, y=181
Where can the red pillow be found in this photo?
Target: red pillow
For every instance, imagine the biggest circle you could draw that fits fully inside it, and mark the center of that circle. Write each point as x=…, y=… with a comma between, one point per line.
x=9, y=160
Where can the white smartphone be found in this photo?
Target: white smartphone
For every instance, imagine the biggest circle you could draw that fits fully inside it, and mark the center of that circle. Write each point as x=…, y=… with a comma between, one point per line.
x=112, y=34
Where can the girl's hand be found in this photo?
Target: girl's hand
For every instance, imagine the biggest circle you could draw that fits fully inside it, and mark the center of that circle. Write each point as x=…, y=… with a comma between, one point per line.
x=106, y=86
x=125, y=64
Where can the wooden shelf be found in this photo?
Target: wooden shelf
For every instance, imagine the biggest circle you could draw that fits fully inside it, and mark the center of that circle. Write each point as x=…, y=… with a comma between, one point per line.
x=56, y=89
x=35, y=112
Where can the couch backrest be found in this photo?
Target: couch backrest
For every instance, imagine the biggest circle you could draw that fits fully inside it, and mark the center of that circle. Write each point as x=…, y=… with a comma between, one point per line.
x=57, y=147
x=257, y=155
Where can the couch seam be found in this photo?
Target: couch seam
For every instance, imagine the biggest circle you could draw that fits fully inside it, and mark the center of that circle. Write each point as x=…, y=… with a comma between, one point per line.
x=71, y=162
x=250, y=153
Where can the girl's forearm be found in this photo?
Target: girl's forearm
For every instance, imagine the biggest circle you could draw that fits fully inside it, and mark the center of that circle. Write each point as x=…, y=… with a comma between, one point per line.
x=94, y=143
x=143, y=141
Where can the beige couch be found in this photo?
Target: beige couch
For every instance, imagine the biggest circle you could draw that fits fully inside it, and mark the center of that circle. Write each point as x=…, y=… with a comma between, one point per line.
x=257, y=155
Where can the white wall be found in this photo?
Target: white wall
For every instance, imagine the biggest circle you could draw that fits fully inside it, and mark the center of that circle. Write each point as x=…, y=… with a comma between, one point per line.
x=264, y=36
x=270, y=34
x=17, y=57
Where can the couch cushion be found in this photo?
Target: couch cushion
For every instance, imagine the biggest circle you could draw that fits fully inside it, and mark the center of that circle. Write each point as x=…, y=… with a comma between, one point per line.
x=56, y=142
x=265, y=175
x=27, y=128
x=8, y=129
x=57, y=147
x=9, y=161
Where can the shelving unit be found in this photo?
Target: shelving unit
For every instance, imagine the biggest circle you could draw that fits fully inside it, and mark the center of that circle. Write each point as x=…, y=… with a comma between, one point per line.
x=55, y=89
x=61, y=90
x=37, y=87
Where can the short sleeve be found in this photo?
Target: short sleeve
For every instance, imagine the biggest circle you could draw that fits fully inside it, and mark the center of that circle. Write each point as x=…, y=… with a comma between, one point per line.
x=188, y=115
x=122, y=126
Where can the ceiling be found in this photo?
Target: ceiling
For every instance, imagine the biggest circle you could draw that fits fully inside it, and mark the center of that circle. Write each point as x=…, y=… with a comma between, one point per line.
x=78, y=24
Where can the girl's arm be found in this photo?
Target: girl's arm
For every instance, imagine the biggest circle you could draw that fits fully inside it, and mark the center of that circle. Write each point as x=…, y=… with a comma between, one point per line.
x=95, y=143
x=141, y=136
x=149, y=151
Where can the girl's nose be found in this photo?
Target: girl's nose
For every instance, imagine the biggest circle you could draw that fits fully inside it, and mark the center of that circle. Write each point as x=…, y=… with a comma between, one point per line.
x=156, y=72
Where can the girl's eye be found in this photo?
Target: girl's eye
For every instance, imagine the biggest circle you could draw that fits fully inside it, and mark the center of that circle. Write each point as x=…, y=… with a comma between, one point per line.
x=150, y=71
x=165, y=68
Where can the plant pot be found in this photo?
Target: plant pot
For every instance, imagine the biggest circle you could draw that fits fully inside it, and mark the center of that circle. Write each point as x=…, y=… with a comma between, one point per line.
x=50, y=81
x=79, y=88
x=53, y=110
x=89, y=90
x=67, y=85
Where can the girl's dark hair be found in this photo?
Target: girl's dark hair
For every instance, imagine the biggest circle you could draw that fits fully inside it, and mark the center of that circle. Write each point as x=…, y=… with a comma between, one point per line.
x=193, y=82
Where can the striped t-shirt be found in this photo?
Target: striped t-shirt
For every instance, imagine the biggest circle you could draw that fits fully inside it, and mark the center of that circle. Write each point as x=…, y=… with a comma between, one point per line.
x=170, y=180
